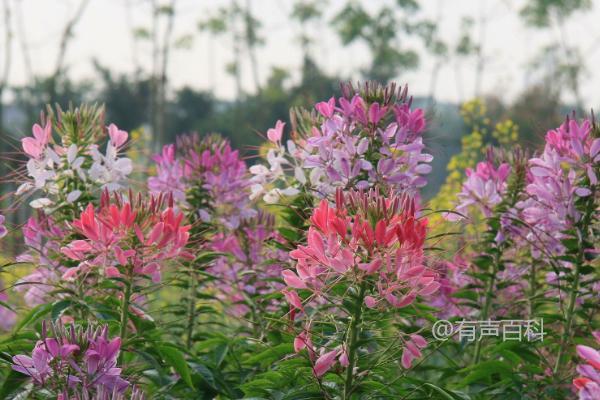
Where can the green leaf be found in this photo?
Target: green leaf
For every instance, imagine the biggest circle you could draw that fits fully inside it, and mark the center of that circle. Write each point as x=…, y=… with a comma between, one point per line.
x=175, y=359
x=272, y=354
x=443, y=394
x=484, y=370
x=59, y=307
x=33, y=315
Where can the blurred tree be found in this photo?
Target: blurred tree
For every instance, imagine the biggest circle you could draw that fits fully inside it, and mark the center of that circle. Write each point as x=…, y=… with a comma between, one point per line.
x=126, y=99
x=191, y=110
x=560, y=59
x=162, y=43
x=385, y=34
x=544, y=13
x=307, y=12
x=437, y=48
x=535, y=111
x=65, y=41
x=242, y=28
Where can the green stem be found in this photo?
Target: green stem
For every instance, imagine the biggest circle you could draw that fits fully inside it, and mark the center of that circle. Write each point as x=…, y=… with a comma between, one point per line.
x=191, y=310
x=125, y=314
x=570, y=311
x=352, y=347
x=485, y=313
x=532, y=290
x=574, y=290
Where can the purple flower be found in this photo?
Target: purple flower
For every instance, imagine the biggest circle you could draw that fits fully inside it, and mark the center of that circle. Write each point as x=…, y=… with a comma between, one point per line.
x=350, y=144
x=73, y=362
x=170, y=176
x=484, y=188
x=212, y=165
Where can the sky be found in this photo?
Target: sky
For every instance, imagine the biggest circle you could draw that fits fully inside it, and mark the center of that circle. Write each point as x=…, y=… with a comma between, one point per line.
x=104, y=34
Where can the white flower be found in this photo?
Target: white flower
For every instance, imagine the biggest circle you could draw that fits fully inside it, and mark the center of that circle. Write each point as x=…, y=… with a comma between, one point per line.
x=299, y=175
x=41, y=203
x=37, y=170
x=73, y=196
x=256, y=190
x=289, y=191
x=272, y=196
x=24, y=188
x=110, y=171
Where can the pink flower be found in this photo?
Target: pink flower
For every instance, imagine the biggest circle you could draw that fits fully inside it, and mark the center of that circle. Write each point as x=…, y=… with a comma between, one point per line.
x=592, y=356
x=35, y=146
x=324, y=363
x=117, y=137
x=74, y=361
x=326, y=109
x=274, y=134
x=138, y=235
x=412, y=349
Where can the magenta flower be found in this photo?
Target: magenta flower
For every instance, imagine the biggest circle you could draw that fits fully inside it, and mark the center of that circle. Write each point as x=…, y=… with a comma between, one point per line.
x=74, y=361
x=212, y=166
x=171, y=175
x=42, y=237
x=571, y=155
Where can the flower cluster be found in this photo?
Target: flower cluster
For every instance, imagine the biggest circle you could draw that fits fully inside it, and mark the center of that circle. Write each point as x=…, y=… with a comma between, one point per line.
x=72, y=166
x=352, y=143
x=484, y=188
x=365, y=235
x=588, y=384
x=368, y=240
x=571, y=154
x=73, y=361
x=211, y=167
x=133, y=237
x=251, y=266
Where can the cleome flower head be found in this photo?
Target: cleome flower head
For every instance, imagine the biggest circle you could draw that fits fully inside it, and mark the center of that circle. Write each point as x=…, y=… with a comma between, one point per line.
x=365, y=236
x=133, y=236
x=74, y=360
x=366, y=138
x=65, y=163
x=206, y=177
x=366, y=244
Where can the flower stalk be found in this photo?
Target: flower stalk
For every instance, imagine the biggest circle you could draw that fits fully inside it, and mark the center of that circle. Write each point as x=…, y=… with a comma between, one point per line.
x=125, y=313
x=354, y=333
